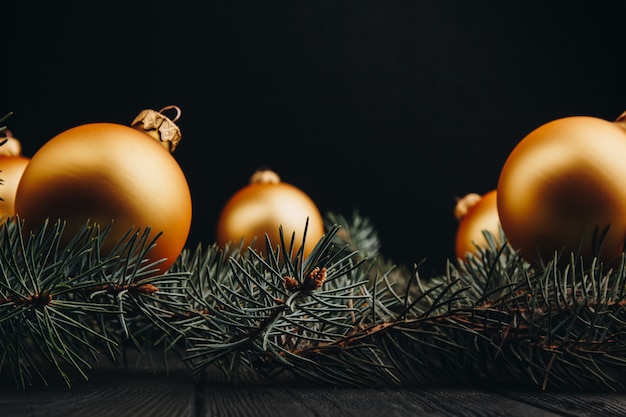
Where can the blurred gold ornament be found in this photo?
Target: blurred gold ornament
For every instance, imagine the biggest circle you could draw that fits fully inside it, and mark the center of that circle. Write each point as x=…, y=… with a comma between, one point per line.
x=12, y=166
x=476, y=214
x=264, y=205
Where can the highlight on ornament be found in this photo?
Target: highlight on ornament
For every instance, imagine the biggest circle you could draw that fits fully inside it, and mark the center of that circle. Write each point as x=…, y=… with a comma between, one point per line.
x=112, y=175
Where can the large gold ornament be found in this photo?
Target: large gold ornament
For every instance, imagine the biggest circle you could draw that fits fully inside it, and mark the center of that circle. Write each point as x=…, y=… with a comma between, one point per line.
x=108, y=173
x=476, y=215
x=563, y=187
x=262, y=207
x=12, y=166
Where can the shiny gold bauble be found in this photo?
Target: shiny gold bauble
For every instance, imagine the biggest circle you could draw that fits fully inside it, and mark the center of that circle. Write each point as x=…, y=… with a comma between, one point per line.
x=562, y=186
x=12, y=166
x=108, y=173
x=476, y=215
x=262, y=207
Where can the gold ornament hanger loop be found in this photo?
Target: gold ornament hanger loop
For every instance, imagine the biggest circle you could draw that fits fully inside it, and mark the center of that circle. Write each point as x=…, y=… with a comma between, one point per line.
x=170, y=107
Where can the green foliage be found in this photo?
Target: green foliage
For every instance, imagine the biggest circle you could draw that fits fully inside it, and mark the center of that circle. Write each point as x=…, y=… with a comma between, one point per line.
x=342, y=315
x=63, y=306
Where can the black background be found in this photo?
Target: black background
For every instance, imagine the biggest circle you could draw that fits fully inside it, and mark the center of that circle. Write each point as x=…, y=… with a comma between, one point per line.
x=390, y=108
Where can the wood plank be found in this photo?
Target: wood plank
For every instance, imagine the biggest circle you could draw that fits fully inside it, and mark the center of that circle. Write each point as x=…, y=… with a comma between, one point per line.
x=574, y=403
x=108, y=392
x=303, y=401
x=145, y=391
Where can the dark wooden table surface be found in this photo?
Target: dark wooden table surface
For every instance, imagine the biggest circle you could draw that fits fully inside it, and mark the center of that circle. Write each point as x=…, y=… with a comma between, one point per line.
x=146, y=392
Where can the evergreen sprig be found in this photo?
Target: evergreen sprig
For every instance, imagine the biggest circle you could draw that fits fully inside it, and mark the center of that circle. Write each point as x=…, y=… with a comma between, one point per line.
x=342, y=315
x=63, y=306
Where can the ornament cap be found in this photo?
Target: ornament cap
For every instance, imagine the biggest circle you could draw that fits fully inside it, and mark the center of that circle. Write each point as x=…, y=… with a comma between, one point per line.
x=464, y=204
x=264, y=176
x=12, y=146
x=159, y=126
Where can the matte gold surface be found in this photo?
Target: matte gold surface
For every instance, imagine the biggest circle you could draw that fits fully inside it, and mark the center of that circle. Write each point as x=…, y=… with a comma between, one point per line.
x=104, y=172
x=11, y=170
x=481, y=216
x=261, y=208
x=563, y=182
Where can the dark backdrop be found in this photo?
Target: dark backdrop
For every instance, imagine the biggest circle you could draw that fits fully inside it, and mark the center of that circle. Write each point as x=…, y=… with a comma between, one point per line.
x=390, y=108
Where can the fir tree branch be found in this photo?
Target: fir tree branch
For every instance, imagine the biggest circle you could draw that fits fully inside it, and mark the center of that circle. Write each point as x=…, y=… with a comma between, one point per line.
x=336, y=317
x=61, y=306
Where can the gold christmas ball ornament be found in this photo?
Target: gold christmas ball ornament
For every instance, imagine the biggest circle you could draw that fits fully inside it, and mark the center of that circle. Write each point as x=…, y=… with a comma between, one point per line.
x=12, y=166
x=563, y=187
x=109, y=174
x=476, y=214
x=262, y=207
